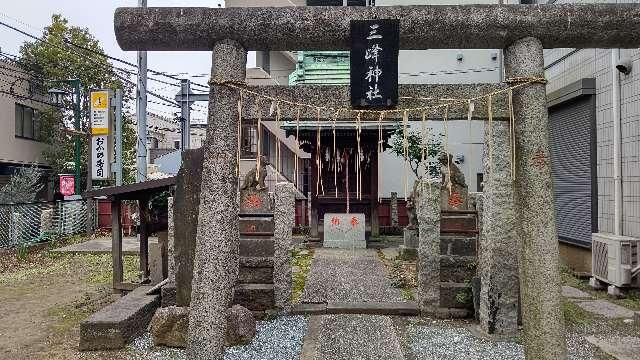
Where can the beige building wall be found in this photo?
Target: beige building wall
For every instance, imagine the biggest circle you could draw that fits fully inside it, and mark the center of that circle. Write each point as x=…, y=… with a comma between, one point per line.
x=14, y=149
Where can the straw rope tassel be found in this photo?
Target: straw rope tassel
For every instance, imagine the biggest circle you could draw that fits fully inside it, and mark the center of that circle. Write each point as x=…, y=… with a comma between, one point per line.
x=405, y=145
x=446, y=147
x=258, y=105
x=358, y=174
x=297, y=148
x=318, y=150
x=380, y=150
x=335, y=155
x=512, y=130
x=239, y=135
x=470, y=108
x=277, y=142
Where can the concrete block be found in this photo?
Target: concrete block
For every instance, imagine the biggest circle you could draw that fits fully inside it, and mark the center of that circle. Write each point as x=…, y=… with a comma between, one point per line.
x=457, y=269
x=256, y=247
x=255, y=275
x=118, y=323
x=168, y=295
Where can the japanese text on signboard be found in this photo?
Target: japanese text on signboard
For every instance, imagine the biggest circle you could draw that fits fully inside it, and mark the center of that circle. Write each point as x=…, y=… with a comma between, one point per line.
x=374, y=63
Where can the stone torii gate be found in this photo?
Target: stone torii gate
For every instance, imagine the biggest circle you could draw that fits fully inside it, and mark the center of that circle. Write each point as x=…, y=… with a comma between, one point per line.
x=521, y=30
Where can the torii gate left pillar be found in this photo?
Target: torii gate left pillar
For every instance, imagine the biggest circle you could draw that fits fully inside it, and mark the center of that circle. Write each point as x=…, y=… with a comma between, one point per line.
x=215, y=267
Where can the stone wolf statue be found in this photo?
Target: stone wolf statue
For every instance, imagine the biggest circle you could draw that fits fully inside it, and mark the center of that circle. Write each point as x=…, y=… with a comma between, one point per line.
x=456, y=177
x=250, y=180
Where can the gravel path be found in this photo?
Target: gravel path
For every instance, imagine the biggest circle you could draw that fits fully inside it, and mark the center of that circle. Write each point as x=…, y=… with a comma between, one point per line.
x=443, y=341
x=348, y=276
x=279, y=339
x=362, y=337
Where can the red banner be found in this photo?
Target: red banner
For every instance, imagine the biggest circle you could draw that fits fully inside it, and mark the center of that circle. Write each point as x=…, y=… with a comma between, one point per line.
x=67, y=185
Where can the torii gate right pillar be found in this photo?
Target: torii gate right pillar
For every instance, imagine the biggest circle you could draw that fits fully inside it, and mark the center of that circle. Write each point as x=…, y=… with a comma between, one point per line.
x=536, y=226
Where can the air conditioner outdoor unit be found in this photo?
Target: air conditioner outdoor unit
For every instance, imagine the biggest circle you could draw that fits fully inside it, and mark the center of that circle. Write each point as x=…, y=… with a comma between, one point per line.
x=616, y=260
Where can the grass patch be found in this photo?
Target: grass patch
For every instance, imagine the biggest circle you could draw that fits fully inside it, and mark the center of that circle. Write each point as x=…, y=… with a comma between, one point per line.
x=100, y=267
x=403, y=274
x=302, y=260
x=574, y=315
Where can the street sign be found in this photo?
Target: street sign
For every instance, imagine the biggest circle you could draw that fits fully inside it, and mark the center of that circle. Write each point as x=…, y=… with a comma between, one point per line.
x=374, y=63
x=100, y=157
x=67, y=184
x=100, y=112
x=101, y=144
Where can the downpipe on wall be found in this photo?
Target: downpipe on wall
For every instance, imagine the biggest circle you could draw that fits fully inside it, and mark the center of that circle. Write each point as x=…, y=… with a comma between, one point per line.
x=617, y=142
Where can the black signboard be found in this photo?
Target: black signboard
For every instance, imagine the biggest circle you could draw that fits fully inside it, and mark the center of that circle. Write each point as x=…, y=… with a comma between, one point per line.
x=374, y=63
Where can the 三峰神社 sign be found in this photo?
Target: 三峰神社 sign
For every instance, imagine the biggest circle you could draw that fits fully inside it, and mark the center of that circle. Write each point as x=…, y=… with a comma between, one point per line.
x=374, y=63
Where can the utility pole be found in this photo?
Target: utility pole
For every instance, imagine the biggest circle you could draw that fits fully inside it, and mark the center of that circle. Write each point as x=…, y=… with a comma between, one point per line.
x=185, y=113
x=118, y=134
x=141, y=111
x=78, y=142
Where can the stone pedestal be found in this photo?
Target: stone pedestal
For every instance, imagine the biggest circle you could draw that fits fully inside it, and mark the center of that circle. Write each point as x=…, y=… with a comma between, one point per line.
x=284, y=219
x=544, y=334
x=428, y=209
x=456, y=199
x=344, y=231
x=498, y=258
x=215, y=266
x=409, y=249
x=254, y=201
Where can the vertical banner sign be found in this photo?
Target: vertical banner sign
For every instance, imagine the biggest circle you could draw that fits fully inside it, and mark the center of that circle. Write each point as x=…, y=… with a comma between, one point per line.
x=374, y=63
x=100, y=159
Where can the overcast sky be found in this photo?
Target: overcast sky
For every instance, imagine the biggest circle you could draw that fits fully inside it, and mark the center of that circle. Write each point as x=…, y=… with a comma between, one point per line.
x=33, y=15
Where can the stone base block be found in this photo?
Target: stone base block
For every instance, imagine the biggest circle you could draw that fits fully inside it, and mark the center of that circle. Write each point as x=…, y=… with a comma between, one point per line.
x=256, y=225
x=255, y=275
x=410, y=237
x=457, y=269
x=458, y=245
x=257, y=247
x=456, y=296
x=168, y=295
x=614, y=291
x=597, y=284
x=254, y=201
x=255, y=297
x=338, y=244
x=117, y=324
x=408, y=253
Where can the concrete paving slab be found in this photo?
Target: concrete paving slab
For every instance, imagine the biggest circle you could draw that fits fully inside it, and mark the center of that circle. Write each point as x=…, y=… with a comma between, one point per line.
x=571, y=292
x=606, y=309
x=130, y=246
x=620, y=347
x=363, y=337
x=348, y=276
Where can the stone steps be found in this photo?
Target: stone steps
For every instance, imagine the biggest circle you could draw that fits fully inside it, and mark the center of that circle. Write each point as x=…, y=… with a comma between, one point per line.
x=255, y=297
x=256, y=225
x=256, y=247
x=457, y=269
x=458, y=245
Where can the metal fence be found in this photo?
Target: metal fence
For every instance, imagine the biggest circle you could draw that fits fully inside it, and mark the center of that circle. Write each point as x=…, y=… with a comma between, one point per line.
x=26, y=224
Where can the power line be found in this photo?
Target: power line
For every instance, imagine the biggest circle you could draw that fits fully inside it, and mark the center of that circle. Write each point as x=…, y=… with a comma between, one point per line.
x=113, y=58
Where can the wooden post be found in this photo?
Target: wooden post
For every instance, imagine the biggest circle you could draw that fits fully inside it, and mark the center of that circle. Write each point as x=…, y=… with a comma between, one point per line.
x=313, y=200
x=143, y=232
x=116, y=243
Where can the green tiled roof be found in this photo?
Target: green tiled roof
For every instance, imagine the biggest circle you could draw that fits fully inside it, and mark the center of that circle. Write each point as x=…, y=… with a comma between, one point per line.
x=321, y=67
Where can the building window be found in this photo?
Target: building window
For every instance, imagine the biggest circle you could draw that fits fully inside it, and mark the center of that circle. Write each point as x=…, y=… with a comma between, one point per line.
x=27, y=122
x=249, y=148
x=176, y=144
